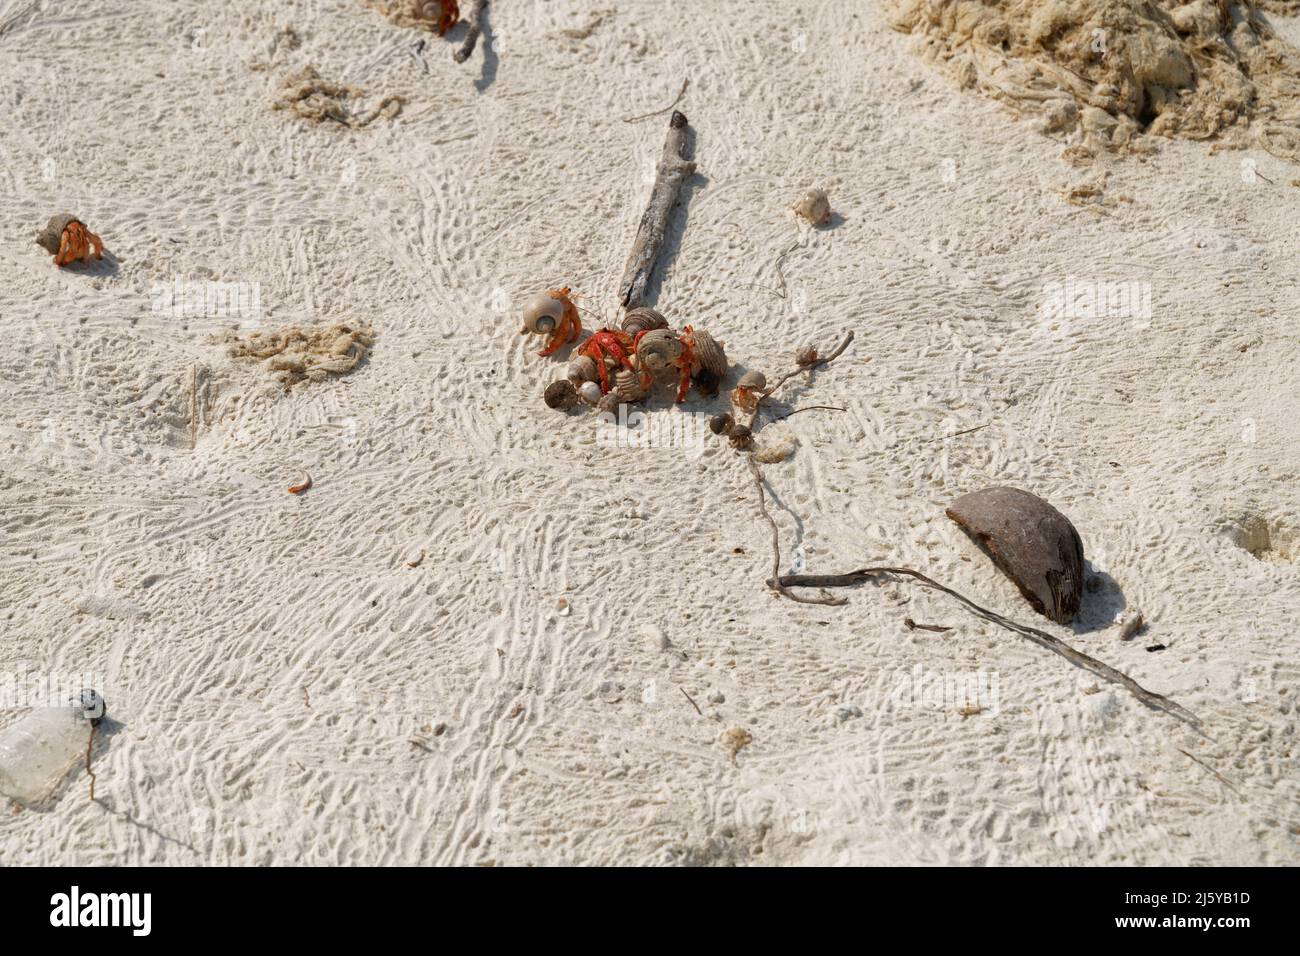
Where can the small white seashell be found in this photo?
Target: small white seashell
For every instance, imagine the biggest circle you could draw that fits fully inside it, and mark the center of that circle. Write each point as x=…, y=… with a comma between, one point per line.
x=542, y=314
x=814, y=206
x=754, y=381
x=589, y=392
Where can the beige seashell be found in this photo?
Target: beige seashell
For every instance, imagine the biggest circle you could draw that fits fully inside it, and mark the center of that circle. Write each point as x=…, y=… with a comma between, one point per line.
x=589, y=392
x=709, y=354
x=814, y=206
x=609, y=402
x=658, y=350
x=754, y=381
x=627, y=384
x=49, y=237
x=643, y=320
x=582, y=368
x=542, y=314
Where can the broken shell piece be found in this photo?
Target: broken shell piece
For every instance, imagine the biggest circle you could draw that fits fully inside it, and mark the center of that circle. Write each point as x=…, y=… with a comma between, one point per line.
x=814, y=206
x=1130, y=624
x=658, y=350
x=542, y=314
x=581, y=369
x=561, y=395
x=1031, y=542
x=589, y=392
x=643, y=320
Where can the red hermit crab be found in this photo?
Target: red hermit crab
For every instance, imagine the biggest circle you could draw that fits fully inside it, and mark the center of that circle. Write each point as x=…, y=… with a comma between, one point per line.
x=695, y=355
x=613, y=346
x=67, y=239
x=552, y=313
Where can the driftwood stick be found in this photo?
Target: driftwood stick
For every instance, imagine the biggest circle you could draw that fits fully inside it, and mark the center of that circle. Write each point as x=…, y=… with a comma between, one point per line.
x=674, y=168
x=775, y=582
x=1041, y=638
x=475, y=21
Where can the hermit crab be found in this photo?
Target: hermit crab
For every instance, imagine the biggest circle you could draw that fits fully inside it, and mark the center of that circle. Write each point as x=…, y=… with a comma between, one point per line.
x=694, y=354
x=814, y=206
x=67, y=239
x=609, y=346
x=552, y=313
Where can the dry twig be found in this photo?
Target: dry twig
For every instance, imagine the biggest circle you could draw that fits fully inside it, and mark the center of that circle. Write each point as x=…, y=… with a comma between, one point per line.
x=1041, y=638
x=475, y=21
x=89, y=744
x=636, y=119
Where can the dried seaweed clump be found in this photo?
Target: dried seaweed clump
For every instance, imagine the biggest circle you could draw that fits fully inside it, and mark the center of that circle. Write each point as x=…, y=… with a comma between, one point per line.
x=420, y=14
x=315, y=98
x=295, y=354
x=1104, y=72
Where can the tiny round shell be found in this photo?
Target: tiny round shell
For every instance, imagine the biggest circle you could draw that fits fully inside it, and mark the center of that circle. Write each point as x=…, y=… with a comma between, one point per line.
x=643, y=320
x=721, y=424
x=589, y=392
x=814, y=206
x=561, y=395
x=542, y=313
x=754, y=381
x=582, y=368
x=709, y=354
x=627, y=384
x=658, y=350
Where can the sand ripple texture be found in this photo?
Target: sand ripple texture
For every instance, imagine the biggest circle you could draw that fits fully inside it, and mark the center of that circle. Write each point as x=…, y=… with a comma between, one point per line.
x=292, y=690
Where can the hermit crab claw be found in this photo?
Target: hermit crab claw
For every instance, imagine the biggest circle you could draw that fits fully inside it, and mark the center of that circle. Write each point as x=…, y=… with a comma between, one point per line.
x=1031, y=542
x=542, y=314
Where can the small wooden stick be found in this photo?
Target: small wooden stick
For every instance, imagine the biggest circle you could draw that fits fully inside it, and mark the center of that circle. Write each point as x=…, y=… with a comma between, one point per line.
x=644, y=116
x=1224, y=780
x=692, y=700
x=775, y=582
x=475, y=21
x=90, y=743
x=674, y=168
x=1041, y=638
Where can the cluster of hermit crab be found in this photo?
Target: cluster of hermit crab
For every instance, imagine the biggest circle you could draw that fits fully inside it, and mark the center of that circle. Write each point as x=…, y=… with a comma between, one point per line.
x=615, y=366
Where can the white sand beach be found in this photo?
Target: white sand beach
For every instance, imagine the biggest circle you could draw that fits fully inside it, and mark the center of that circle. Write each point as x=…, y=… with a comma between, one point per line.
x=491, y=633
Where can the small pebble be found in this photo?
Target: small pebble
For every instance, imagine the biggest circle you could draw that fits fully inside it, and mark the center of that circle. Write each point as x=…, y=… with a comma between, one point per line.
x=717, y=697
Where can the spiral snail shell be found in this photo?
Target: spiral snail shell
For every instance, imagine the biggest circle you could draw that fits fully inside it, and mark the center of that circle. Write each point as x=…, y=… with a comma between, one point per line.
x=814, y=206
x=582, y=369
x=658, y=350
x=643, y=320
x=628, y=386
x=708, y=354
x=542, y=314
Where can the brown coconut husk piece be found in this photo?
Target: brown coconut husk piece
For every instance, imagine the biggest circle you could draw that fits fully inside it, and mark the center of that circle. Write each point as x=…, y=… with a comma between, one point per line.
x=1031, y=542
